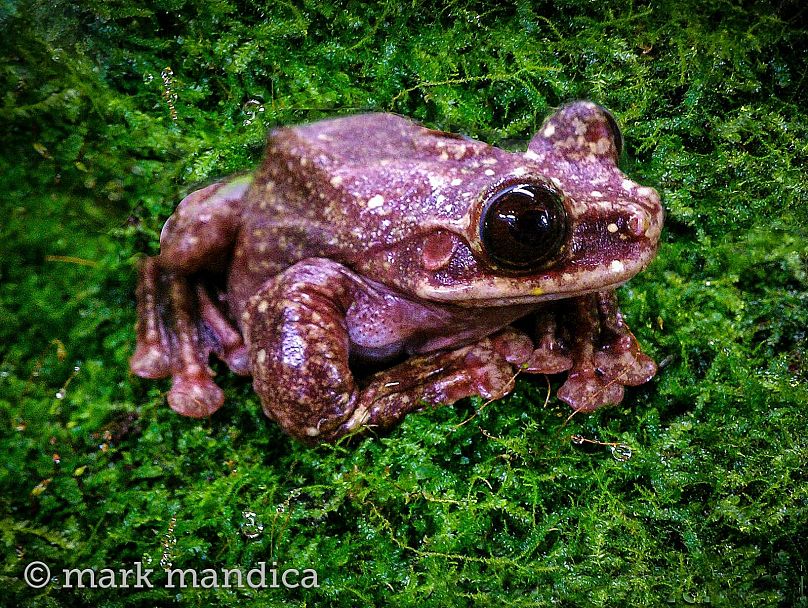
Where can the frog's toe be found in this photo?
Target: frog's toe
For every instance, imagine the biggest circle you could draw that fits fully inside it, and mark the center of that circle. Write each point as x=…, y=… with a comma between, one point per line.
x=626, y=364
x=238, y=360
x=586, y=391
x=195, y=396
x=513, y=346
x=551, y=354
x=549, y=359
x=150, y=361
x=491, y=378
x=220, y=336
x=152, y=357
x=619, y=356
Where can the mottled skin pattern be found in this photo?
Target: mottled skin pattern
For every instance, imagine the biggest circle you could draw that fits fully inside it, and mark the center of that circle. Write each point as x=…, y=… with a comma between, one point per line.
x=348, y=275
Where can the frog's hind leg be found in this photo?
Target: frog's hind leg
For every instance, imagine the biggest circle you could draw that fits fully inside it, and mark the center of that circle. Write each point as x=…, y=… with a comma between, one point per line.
x=178, y=327
x=201, y=231
x=179, y=323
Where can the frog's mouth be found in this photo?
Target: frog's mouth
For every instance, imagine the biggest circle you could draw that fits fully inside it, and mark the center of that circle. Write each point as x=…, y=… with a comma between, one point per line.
x=571, y=281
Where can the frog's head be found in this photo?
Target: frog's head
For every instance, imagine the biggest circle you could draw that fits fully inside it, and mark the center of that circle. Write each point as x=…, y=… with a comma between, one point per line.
x=558, y=221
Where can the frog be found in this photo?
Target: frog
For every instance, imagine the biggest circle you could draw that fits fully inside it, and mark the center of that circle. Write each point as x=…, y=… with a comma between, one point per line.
x=371, y=267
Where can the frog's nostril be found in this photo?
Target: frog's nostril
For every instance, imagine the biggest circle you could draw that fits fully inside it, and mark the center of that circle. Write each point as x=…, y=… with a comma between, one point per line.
x=638, y=225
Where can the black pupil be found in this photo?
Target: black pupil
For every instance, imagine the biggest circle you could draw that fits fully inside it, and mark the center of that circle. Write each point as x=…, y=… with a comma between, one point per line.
x=524, y=226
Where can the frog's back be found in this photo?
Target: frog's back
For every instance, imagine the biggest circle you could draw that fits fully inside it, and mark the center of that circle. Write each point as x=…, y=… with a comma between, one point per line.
x=340, y=188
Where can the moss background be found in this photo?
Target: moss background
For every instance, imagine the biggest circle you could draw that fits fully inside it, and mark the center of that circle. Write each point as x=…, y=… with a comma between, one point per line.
x=113, y=109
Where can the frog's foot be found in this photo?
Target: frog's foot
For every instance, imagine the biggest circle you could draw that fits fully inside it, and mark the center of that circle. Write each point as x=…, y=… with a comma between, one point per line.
x=605, y=354
x=589, y=339
x=299, y=351
x=620, y=357
x=178, y=327
x=552, y=353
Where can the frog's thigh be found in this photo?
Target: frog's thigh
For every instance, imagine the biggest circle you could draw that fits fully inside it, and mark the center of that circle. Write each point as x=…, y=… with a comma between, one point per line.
x=203, y=227
x=300, y=350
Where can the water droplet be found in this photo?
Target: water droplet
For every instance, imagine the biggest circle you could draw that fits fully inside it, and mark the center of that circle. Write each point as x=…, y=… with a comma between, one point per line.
x=77, y=368
x=60, y=394
x=251, y=528
x=621, y=452
x=251, y=108
x=577, y=439
x=148, y=78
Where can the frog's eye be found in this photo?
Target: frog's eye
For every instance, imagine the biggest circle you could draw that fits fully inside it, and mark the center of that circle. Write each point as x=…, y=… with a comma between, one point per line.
x=617, y=135
x=523, y=226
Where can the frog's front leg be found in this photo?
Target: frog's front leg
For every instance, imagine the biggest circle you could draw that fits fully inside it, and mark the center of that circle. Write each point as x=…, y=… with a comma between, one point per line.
x=178, y=322
x=588, y=337
x=300, y=348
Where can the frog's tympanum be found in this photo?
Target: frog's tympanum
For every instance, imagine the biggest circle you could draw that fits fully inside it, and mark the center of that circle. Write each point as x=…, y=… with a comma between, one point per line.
x=372, y=267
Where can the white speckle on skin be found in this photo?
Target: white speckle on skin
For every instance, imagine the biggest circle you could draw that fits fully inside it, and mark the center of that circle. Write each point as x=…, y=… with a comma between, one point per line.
x=549, y=130
x=263, y=306
x=531, y=155
x=648, y=193
x=617, y=266
x=628, y=185
x=336, y=180
x=490, y=172
x=312, y=431
x=436, y=181
x=612, y=228
x=375, y=201
x=457, y=181
x=261, y=356
x=596, y=194
x=519, y=172
x=489, y=161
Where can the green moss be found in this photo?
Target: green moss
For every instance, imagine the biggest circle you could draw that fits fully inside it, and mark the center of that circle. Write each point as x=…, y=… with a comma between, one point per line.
x=99, y=142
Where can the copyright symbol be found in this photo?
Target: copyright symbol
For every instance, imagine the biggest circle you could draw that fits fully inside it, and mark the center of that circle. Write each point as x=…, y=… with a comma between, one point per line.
x=36, y=575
